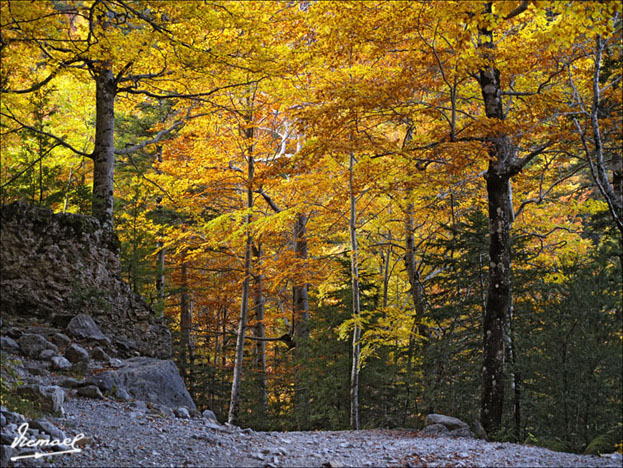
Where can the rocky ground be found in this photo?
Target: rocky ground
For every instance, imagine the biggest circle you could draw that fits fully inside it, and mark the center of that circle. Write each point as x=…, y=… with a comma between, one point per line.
x=130, y=434
x=136, y=412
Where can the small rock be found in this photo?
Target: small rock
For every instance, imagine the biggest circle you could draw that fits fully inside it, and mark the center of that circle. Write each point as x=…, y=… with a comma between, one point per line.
x=76, y=353
x=12, y=418
x=210, y=416
x=70, y=382
x=47, y=427
x=122, y=394
x=38, y=368
x=90, y=391
x=47, y=354
x=32, y=344
x=6, y=452
x=60, y=339
x=80, y=367
x=182, y=412
x=100, y=355
x=83, y=326
x=139, y=405
x=14, y=332
x=8, y=344
x=114, y=362
x=165, y=411
x=60, y=363
x=7, y=436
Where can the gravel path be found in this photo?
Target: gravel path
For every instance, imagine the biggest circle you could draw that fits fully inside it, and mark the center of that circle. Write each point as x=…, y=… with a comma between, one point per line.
x=120, y=434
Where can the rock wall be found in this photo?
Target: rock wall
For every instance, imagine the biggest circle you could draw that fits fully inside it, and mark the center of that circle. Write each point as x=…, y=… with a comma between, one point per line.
x=56, y=266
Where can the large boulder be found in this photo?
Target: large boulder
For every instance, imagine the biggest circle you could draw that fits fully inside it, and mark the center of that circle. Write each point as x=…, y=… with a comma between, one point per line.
x=448, y=421
x=50, y=397
x=31, y=344
x=147, y=379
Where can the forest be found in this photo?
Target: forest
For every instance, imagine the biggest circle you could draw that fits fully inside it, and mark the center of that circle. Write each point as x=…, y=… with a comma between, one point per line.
x=350, y=214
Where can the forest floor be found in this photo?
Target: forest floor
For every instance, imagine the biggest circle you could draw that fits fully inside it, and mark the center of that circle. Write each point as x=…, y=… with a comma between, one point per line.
x=120, y=434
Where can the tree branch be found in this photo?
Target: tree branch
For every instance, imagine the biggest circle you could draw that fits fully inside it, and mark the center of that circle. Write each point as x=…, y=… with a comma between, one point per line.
x=59, y=140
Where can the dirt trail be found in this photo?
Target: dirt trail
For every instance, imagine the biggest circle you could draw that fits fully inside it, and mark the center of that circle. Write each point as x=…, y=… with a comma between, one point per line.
x=120, y=434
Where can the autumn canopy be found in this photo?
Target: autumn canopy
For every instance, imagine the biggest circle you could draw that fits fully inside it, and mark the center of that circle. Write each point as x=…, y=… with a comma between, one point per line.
x=350, y=213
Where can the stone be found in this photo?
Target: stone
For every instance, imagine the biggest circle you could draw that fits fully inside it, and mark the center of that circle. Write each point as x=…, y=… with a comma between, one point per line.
x=76, y=353
x=8, y=344
x=49, y=428
x=104, y=381
x=38, y=368
x=31, y=344
x=139, y=405
x=164, y=411
x=12, y=418
x=14, y=332
x=8, y=434
x=100, y=355
x=70, y=382
x=6, y=452
x=60, y=339
x=148, y=379
x=182, y=413
x=83, y=326
x=2, y=420
x=55, y=264
x=60, y=363
x=461, y=432
x=47, y=354
x=90, y=391
x=122, y=394
x=210, y=416
x=448, y=421
x=435, y=429
x=114, y=362
x=81, y=368
x=51, y=397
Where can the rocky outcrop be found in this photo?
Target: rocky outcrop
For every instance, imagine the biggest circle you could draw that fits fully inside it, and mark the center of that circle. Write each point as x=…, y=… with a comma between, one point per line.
x=57, y=266
x=440, y=424
x=147, y=379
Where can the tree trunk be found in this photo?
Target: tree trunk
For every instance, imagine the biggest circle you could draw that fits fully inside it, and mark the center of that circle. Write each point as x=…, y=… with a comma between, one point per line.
x=417, y=292
x=185, y=327
x=260, y=347
x=300, y=301
x=498, y=299
x=104, y=147
x=160, y=264
x=234, y=402
x=502, y=165
x=354, y=376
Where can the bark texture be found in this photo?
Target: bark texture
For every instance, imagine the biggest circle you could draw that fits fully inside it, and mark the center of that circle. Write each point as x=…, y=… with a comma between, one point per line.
x=234, y=402
x=104, y=146
x=354, y=376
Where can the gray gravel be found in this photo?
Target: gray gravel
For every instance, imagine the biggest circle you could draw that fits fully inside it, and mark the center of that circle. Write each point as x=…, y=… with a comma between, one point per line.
x=123, y=434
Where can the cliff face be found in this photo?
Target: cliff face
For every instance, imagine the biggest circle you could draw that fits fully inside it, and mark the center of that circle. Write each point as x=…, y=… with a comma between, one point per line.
x=55, y=266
